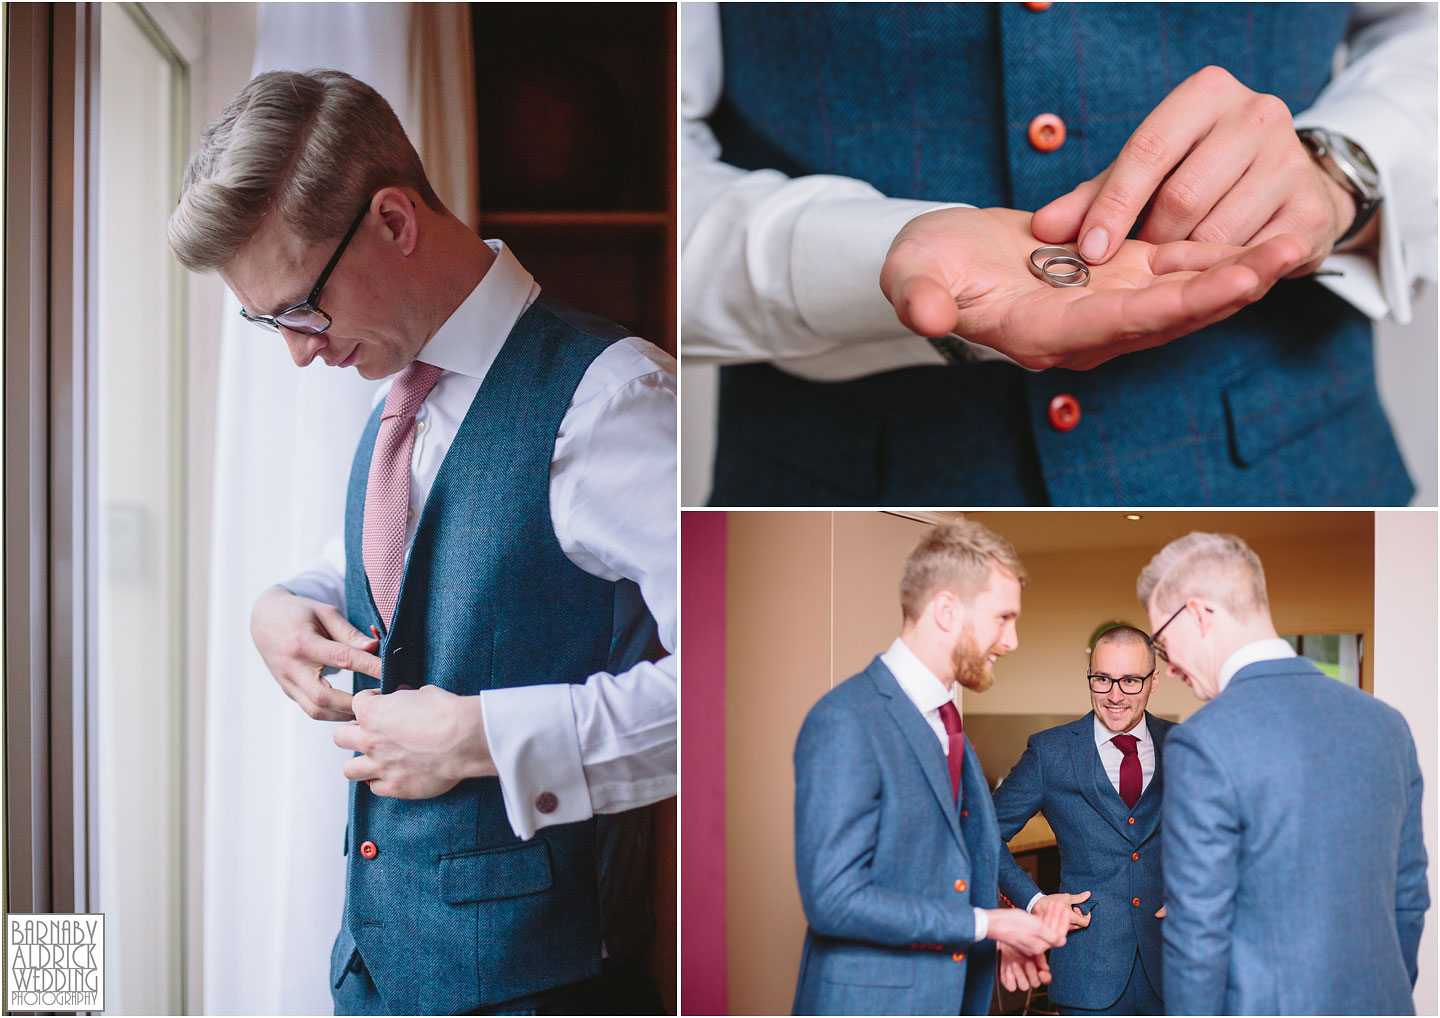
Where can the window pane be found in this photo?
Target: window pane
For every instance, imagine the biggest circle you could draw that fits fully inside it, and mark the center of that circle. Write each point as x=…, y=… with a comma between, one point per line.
x=140, y=527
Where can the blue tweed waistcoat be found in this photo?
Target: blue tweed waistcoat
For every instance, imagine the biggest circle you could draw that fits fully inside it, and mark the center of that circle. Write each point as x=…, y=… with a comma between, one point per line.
x=1275, y=405
x=453, y=911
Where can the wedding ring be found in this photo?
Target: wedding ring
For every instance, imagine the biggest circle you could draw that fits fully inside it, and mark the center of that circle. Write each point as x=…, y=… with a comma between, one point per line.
x=1078, y=275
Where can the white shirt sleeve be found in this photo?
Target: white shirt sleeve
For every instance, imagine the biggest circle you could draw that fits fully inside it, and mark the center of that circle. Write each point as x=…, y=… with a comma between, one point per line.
x=1384, y=99
x=608, y=744
x=775, y=268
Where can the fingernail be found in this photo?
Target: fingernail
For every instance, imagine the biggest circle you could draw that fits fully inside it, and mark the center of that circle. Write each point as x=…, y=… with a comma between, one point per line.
x=1093, y=246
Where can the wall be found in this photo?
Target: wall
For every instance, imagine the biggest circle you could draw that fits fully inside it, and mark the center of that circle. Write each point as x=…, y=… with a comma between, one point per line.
x=1405, y=613
x=1313, y=588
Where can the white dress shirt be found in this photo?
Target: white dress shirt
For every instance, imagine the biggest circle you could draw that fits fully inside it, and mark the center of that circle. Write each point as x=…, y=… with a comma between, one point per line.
x=928, y=694
x=1111, y=755
x=607, y=745
x=1272, y=648
x=800, y=258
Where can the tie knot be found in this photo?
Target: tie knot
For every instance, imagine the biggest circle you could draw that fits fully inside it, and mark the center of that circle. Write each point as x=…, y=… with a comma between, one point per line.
x=408, y=391
x=1126, y=743
x=950, y=717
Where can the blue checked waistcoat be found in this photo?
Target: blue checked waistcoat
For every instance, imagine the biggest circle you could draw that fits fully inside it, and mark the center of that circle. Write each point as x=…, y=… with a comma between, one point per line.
x=453, y=911
x=1105, y=848
x=1275, y=405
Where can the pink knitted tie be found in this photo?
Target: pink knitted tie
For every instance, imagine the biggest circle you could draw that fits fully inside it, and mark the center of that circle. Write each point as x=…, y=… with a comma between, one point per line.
x=387, y=496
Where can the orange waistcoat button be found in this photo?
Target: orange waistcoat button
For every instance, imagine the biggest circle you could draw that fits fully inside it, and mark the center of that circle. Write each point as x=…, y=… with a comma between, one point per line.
x=1046, y=132
x=1064, y=412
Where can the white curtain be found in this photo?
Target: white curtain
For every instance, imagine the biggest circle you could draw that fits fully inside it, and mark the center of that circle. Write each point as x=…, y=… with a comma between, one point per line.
x=274, y=794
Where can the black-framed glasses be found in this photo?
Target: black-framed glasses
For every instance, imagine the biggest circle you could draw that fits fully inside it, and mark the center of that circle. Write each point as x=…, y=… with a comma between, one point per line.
x=306, y=316
x=1159, y=650
x=1102, y=683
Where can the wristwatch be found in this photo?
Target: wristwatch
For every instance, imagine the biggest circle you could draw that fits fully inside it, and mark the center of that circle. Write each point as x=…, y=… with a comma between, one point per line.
x=1349, y=166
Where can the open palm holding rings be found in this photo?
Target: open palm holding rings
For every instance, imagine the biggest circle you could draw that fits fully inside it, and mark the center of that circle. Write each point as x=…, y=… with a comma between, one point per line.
x=1074, y=270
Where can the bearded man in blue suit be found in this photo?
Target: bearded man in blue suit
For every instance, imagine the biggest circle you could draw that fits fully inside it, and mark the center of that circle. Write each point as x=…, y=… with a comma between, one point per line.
x=1098, y=782
x=896, y=846
x=1285, y=786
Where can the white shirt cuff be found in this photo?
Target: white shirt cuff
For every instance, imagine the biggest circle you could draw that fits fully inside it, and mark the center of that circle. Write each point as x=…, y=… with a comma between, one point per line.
x=982, y=925
x=1031, y=907
x=531, y=733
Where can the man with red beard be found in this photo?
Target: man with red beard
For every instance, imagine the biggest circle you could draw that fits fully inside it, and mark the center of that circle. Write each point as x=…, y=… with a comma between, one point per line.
x=896, y=844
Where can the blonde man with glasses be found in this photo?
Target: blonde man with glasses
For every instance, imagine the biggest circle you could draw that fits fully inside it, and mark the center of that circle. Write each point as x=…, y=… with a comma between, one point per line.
x=504, y=584
x=1099, y=783
x=1294, y=860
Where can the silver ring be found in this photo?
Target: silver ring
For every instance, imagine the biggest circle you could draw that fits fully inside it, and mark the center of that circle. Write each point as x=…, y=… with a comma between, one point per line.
x=1066, y=278
x=1038, y=271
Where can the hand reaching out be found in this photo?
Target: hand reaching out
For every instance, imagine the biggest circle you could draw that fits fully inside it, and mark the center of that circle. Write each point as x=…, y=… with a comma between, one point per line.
x=1022, y=971
x=1065, y=904
x=966, y=271
x=1214, y=162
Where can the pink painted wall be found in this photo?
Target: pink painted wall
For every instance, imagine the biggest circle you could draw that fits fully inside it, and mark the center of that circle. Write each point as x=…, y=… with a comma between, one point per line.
x=702, y=765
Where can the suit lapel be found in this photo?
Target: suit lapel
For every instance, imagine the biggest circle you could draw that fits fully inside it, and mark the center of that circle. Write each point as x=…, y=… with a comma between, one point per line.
x=1147, y=810
x=1093, y=781
x=925, y=747
x=980, y=829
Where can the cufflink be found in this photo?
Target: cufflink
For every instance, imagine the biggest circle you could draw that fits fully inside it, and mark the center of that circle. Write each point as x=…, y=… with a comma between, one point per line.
x=546, y=802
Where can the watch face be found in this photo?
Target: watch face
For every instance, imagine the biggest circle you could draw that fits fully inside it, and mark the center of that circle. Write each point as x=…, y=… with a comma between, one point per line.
x=1358, y=159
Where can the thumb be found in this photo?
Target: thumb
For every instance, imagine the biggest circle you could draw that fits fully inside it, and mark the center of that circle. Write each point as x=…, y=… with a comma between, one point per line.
x=1161, y=913
x=1076, y=899
x=913, y=280
x=1059, y=222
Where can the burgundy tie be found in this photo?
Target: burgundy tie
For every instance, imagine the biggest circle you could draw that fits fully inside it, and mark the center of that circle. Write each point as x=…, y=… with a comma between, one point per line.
x=387, y=495
x=956, y=732
x=1130, y=777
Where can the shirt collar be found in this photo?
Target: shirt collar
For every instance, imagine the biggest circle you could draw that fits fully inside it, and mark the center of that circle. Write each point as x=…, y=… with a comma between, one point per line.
x=1272, y=648
x=1104, y=735
x=920, y=684
x=470, y=339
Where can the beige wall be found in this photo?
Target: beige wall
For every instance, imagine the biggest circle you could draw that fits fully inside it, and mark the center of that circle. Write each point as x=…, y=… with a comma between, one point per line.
x=1315, y=587
x=1405, y=613
x=812, y=596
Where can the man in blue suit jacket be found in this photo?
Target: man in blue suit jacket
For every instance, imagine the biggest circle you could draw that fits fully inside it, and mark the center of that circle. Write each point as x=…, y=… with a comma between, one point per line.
x=1294, y=859
x=1098, y=782
x=896, y=846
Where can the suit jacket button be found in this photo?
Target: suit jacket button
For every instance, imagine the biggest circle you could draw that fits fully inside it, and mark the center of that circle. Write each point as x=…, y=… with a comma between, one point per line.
x=1132, y=820
x=546, y=802
x=1036, y=5
x=1046, y=132
x=960, y=886
x=1135, y=902
x=958, y=957
x=368, y=850
x=1064, y=412
x=1134, y=856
